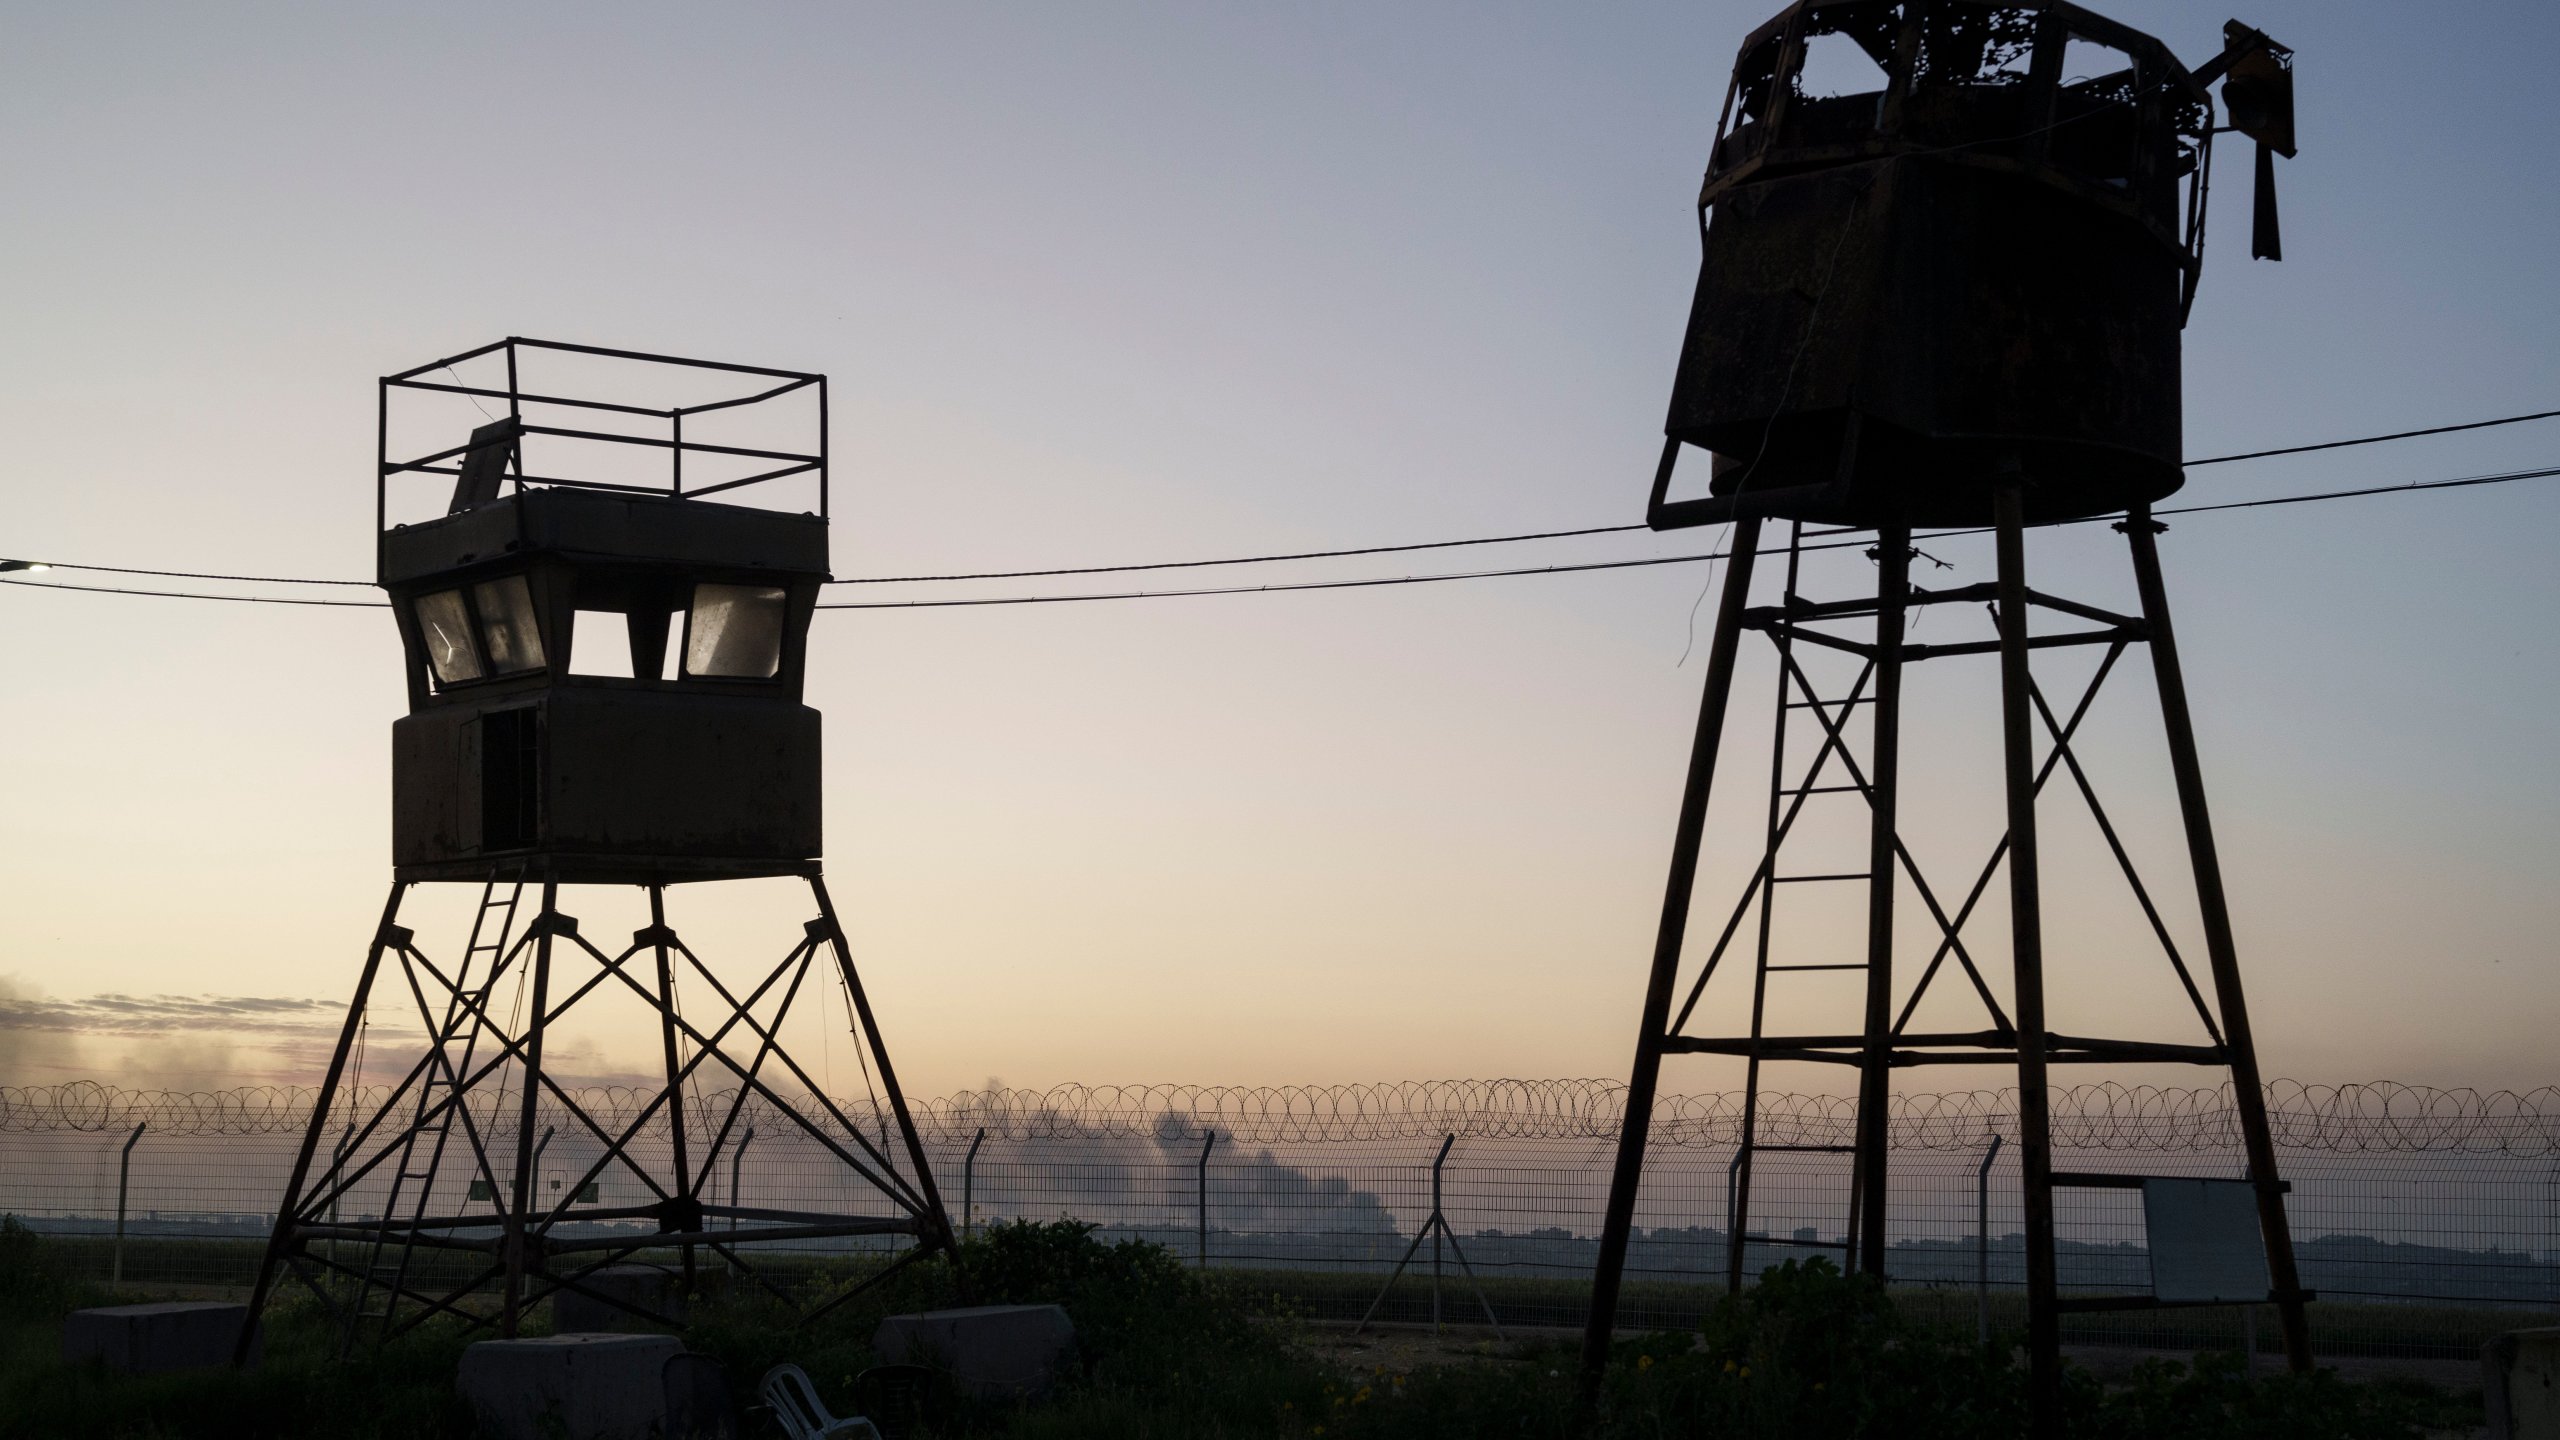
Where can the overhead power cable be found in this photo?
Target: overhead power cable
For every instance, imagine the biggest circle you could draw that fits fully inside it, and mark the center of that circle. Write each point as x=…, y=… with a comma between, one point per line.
x=1594, y=529
x=195, y=594
x=199, y=575
x=1370, y=582
x=1658, y=559
x=1061, y=571
x=2376, y=439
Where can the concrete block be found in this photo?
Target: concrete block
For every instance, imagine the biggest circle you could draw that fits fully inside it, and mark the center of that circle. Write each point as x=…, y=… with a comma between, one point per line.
x=990, y=1351
x=2520, y=1384
x=150, y=1339
x=647, y=1286
x=568, y=1387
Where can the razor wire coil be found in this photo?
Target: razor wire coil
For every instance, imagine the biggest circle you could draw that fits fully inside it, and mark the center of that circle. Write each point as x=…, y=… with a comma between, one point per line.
x=2381, y=1117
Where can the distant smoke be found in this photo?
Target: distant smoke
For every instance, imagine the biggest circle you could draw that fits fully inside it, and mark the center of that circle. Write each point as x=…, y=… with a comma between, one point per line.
x=32, y=1052
x=173, y=1042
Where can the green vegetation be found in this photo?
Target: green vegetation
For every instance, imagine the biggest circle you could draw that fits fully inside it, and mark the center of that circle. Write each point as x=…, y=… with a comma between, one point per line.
x=408, y=1395
x=1170, y=1353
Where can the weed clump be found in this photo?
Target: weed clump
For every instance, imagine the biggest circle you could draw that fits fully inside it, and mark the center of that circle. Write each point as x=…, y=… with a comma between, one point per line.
x=33, y=1282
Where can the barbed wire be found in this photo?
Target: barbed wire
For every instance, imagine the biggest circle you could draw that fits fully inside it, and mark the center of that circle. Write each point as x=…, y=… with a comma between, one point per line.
x=2380, y=1117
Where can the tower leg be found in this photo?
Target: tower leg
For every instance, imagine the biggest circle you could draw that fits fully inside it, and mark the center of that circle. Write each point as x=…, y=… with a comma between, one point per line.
x=1875, y=1074
x=520, y=1204
x=2248, y=1091
x=292, y=1201
x=675, y=1071
x=888, y=1074
x=2035, y=1129
x=1633, y=1131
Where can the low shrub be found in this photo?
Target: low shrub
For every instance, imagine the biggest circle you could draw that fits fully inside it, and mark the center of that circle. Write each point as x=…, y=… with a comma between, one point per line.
x=33, y=1282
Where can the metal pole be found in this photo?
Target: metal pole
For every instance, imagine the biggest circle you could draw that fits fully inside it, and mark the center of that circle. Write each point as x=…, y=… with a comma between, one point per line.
x=2026, y=930
x=1207, y=1143
x=969, y=1185
x=1628, y=1173
x=737, y=1158
x=1437, y=1223
x=1875, y=1073
x=124, y=1178
x=2248, y=1090
x=1982, y=1243
x=520, y=1204
x=337, y=1166
x=384, y=935
x=1733, y=1219
x=659, y=934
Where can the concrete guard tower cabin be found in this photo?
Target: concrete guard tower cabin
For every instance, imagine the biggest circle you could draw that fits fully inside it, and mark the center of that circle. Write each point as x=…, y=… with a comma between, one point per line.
x=1949, y=249
x=581, y=527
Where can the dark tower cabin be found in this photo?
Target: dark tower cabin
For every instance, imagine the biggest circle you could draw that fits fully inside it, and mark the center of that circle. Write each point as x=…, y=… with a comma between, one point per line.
x=604, y=662
x=1947, y=242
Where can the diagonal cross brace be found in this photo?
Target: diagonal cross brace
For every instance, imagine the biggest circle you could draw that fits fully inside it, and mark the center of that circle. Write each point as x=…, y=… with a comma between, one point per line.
x=2000, y=851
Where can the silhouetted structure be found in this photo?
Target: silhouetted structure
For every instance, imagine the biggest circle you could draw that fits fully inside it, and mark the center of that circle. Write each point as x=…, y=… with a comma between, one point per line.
x=1948, y=296
x=604, y=673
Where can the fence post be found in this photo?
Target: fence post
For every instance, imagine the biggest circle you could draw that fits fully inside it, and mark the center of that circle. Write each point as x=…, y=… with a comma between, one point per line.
x=337, y=1164
x=1982, y=1243
x=969, y=1187
x=124, y=1176
x=1438, y=1224
x=1732, y=1212
x=1206, y=1145
x=737, y=1159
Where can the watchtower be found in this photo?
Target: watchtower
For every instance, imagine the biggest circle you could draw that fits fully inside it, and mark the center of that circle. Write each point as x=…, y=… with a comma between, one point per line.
x=605, y=671
x=1949, y=247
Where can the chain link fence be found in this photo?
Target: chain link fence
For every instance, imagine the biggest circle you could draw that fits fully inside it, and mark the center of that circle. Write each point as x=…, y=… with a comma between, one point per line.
x=2426, y=1220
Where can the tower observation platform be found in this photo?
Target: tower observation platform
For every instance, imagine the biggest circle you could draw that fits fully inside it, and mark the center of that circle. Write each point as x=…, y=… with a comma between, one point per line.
x=605, y=674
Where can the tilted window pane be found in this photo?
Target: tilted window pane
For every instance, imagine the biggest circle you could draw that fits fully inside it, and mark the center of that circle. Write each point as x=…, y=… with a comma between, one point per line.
x=736, y=632
x=447, y=629
x=506, y=622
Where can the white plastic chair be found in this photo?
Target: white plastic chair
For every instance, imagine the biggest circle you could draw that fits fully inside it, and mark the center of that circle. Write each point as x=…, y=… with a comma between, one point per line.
x=803, y=1415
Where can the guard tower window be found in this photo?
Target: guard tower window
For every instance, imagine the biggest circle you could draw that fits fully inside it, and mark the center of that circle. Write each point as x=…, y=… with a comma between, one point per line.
x=447, y=628
x=734, y=632
x=507, y=624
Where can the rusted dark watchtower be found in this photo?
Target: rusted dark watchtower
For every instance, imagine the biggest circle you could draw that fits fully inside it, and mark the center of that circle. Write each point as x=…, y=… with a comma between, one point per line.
x=1949, y=248
x=605, y=668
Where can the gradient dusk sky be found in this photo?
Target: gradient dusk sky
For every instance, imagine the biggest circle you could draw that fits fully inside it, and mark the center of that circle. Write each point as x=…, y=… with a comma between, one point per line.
x=1105, y=282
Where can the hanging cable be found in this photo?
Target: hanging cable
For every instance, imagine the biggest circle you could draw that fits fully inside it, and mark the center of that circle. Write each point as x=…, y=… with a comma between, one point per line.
x=1370, y=582
x=1275, y=558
